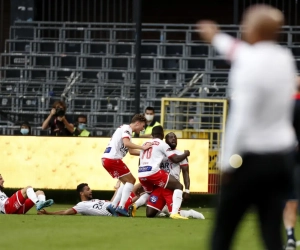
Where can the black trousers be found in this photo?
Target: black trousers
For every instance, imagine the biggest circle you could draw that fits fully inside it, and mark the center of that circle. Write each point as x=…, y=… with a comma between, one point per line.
x=262, y=181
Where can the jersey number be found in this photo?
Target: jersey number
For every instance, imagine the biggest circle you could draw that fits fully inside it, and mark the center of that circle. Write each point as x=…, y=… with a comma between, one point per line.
x=148, y=153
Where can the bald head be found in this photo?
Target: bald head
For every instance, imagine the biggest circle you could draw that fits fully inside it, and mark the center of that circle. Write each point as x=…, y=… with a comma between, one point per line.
x=262, y=23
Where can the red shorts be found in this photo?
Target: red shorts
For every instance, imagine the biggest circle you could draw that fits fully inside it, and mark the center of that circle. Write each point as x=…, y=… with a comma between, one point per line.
x=159, y=179
x=17, y=204
x=115, y=167
x=159, y=198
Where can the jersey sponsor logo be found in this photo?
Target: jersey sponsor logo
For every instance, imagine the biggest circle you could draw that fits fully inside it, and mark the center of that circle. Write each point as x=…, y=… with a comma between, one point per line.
x=123, y=150
x=127, y=132
x=107, y=150
x=145, y=169
x=153, y=198
x=165, y=166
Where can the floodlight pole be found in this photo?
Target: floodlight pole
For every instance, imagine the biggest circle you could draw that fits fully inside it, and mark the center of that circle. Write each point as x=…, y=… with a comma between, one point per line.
x=137, y=18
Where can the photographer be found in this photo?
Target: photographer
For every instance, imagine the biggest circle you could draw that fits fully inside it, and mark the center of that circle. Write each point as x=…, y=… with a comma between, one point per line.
x=57, y=121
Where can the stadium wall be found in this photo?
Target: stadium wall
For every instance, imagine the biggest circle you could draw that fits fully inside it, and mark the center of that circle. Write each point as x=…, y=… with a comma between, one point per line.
x=62, y=163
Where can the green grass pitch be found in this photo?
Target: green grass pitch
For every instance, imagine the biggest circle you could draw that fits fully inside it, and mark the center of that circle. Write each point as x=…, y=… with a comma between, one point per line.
x=31, y=231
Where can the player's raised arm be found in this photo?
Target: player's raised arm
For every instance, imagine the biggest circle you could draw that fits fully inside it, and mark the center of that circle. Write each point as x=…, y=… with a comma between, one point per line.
x=225, y=44
x=128, y=144
x=69, y=211
x=134, y=152
x=178, y=158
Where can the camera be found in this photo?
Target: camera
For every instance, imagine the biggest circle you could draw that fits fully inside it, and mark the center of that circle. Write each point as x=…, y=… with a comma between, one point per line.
x=60, y=112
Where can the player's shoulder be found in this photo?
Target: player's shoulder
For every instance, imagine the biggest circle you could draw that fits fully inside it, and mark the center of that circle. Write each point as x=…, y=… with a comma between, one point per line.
x=157, y=142
x=126, y=128
x=178, y=152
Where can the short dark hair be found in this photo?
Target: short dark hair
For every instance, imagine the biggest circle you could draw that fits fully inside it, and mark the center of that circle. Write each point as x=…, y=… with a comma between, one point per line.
x=138, y=118
x=168, y=134
x=82, y=116
x=80, y=187
x=157, y=130
x=150, y=108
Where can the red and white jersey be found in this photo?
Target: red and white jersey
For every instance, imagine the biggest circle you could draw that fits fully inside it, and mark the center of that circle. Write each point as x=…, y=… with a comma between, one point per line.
x=3, y=198
x=116, y=148
x=174, y=168
x=151, y=158
x=92, y=207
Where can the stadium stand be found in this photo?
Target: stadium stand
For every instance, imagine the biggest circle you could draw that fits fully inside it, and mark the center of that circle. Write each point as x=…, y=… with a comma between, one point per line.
x=98, y=60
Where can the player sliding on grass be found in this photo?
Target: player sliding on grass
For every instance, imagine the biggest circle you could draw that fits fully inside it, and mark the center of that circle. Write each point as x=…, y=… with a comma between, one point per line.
x=21, y=201
x=118, y=147
x=150, y=174
x=87, y=206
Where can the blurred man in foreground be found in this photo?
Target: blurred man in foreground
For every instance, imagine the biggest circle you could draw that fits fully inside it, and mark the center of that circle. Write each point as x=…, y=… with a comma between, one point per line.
x=258, y=153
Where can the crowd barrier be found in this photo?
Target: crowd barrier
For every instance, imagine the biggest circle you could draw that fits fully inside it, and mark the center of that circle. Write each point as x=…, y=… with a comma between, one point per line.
x=64, y=162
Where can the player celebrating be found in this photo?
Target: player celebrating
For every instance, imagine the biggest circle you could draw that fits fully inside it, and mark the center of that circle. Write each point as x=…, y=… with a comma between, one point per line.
x=118, y=147
x=21, y=201
x=162, y=197
x=87, y=206
x=175, y=168
x=150, y=174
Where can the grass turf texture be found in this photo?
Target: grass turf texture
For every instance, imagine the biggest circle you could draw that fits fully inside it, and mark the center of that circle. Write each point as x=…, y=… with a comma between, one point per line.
x=31, y=231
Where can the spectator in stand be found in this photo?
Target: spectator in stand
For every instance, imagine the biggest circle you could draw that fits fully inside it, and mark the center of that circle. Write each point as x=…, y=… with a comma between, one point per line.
x=80, y=127
x=151, y=123
x=25, y=128
x=57, y=121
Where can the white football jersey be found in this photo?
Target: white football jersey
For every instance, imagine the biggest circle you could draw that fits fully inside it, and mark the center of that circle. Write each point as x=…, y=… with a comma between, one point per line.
x=151, y=158
x=116, y=148
x=174, y=168
x=3, y=198
x=92, y=207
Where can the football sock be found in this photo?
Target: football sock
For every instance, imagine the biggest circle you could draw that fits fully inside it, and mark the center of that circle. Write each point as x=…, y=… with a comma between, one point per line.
x=142, y=200
x=177, y=200
x=290, y=233
x=41, y=197
x=32, y=195
x=118, y=196
x=126, y=193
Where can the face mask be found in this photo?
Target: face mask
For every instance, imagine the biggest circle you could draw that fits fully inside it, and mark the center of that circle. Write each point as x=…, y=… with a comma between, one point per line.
x=149, y=117
x=82, y=126
x=24, y=131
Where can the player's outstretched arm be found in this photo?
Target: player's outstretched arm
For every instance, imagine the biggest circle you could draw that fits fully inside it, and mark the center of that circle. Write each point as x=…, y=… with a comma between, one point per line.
x=225, y=44
x=128, y=144
x=62, y=212
x=134, y=152
x=178, y=158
